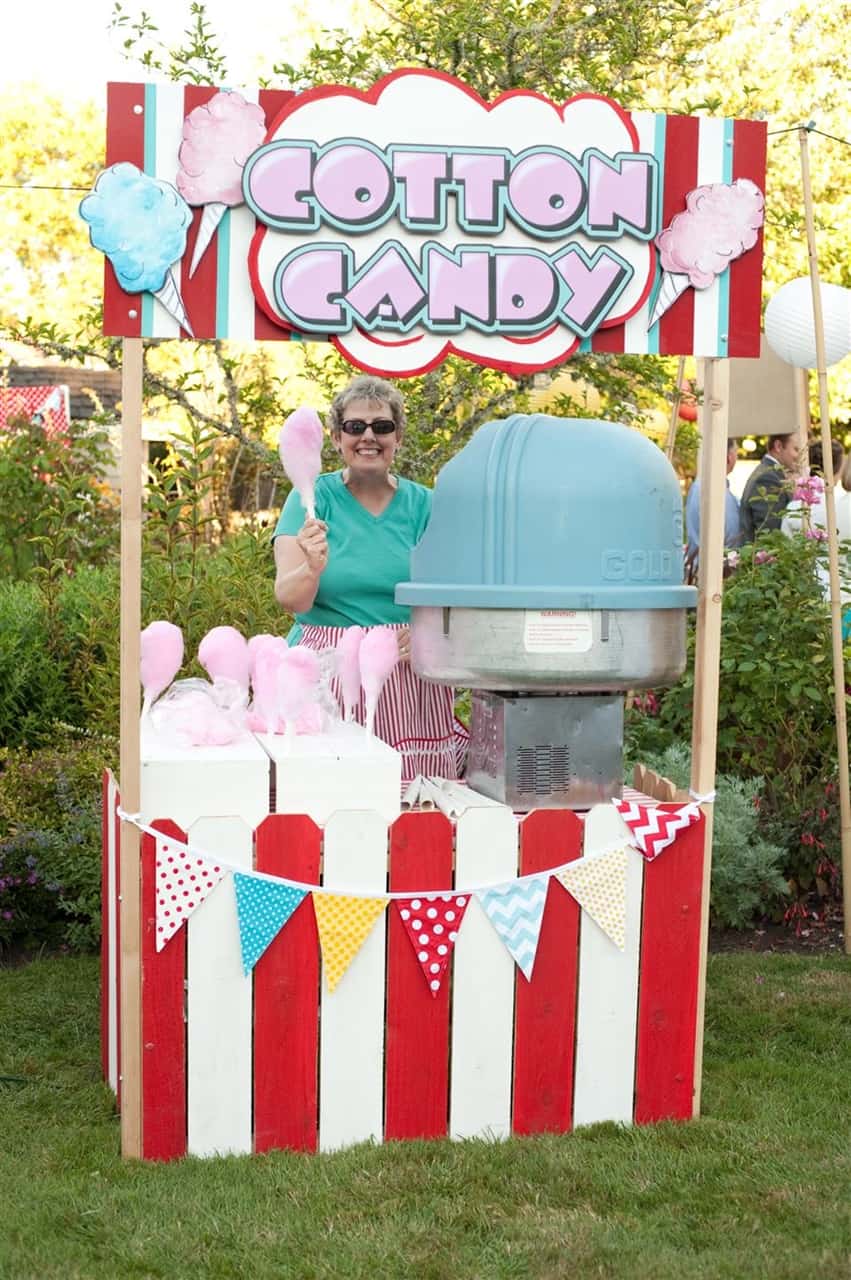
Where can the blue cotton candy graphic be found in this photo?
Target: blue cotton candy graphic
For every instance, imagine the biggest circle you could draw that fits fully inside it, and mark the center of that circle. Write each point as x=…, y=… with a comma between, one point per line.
x=140, y=223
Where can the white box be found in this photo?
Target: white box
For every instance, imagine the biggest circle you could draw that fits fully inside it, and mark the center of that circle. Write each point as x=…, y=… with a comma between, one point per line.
x=323, y=773
x=187, y=783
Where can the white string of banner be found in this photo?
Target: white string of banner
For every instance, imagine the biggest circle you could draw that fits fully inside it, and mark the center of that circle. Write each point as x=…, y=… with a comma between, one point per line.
x=357, y=892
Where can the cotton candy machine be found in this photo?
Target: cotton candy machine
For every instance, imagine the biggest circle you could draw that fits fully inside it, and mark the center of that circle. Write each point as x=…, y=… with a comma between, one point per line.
x=549, y=581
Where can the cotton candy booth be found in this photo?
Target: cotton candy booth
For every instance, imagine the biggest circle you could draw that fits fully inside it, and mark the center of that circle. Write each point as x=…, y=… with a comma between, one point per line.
x=549, y=581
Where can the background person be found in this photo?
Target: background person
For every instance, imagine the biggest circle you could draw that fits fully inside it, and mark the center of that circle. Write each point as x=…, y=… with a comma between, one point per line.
x=732, y=524
x=341, y=569
x=769, y=488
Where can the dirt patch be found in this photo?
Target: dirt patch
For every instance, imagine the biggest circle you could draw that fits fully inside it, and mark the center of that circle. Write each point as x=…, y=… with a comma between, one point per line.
x=812, y=936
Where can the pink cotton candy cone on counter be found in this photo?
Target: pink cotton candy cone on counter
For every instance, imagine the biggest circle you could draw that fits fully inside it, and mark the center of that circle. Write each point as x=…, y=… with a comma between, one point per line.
x=300, y=449
x=298, y=684
x=379, y=653
x=223, y=653
x=161, y=655
x=348, y=669
x=266, y=653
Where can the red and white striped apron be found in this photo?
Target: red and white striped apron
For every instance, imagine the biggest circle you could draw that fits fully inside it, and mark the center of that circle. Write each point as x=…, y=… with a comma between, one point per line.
x=413, y=716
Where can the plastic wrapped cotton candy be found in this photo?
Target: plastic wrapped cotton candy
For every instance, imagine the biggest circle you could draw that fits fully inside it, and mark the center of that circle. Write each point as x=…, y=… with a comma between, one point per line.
x=190, y=715
x=298, y=684
x=300, y=448
x=720, y=222
x=161, y=654
x=223, y=653
x=379, y=653
x=347, y=656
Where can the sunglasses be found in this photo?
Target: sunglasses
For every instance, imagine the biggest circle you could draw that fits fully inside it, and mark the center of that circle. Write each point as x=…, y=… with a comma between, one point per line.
x=356, y=426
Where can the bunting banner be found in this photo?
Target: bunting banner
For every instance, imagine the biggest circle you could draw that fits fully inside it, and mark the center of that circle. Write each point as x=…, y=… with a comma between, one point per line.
x=432, y=922
x=344, y=923
x=183, y=882
x=516, y=912
x=599, y=886
x=654, y=829
x=263, y=908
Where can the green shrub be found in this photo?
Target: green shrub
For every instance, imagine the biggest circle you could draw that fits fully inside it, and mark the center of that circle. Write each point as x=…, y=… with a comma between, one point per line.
x=50, y=843
x=747, y=879
x=35, y=682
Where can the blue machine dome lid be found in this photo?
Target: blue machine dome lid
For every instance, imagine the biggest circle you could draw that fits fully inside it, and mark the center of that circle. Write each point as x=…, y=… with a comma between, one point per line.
x=541, y=512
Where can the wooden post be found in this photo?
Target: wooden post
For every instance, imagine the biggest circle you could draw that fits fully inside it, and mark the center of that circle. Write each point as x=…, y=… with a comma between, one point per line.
x=131, y=605
x=713, y=417
x=832, y=548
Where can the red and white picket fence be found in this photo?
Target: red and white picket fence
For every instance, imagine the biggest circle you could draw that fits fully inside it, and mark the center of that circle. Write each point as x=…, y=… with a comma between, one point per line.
x=235, y=1063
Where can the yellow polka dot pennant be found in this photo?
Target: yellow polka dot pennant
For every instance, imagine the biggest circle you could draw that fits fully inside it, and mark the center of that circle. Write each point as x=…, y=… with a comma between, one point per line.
x=343, y=925
x=599, y=886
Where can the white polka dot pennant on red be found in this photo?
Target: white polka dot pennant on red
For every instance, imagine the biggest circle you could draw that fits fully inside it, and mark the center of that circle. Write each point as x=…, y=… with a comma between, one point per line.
x=183, y=882
x=432, y=922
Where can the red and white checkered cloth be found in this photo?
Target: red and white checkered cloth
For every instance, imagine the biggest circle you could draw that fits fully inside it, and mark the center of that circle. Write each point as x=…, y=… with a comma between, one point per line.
x=25, y=402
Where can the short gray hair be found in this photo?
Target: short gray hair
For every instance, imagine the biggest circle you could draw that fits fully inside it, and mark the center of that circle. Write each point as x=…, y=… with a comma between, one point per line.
x=367, y=387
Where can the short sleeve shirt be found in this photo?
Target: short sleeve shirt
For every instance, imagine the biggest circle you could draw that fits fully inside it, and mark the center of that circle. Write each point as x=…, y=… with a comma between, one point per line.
x=367, y=555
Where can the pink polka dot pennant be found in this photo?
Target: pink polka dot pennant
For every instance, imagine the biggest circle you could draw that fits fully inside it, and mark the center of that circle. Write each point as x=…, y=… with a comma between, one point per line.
x=432, y=922
x=183, y=882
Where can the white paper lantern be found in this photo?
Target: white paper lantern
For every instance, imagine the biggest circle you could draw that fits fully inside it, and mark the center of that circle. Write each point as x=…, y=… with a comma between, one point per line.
x=790, y=329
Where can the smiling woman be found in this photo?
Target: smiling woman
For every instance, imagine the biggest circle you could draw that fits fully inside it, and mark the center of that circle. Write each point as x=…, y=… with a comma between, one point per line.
x=341, y=569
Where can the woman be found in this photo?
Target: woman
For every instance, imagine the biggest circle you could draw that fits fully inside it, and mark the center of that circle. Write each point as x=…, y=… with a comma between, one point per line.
x=341, y=569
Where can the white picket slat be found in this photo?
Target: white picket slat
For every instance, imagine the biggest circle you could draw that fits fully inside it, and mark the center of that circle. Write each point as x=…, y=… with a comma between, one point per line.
x=218, y=1069
x=351, y=1041
x=482, y=983
x=607, y=1000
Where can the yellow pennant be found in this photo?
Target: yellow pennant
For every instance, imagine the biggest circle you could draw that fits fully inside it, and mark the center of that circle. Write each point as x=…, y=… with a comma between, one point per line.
x=599, y=886
x=343, y=925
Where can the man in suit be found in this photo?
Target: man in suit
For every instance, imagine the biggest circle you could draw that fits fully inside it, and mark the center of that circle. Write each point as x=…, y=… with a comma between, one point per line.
x=769, y=488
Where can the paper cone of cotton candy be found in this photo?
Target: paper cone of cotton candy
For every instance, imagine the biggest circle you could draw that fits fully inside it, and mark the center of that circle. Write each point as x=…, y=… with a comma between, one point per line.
x=160, y=659
x=298, y=684
x=721, y=221
x=140, y=223
x=265, y=654
x=218, y=138
x=223, y=653
x=300, y=449
x=379, y=653
x=347, y=662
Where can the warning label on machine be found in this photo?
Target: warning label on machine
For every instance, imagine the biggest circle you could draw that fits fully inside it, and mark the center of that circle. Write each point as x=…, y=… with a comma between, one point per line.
x=557, y=631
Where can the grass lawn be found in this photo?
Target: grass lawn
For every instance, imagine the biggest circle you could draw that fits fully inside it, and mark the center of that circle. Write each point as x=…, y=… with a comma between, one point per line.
x=760, y=1186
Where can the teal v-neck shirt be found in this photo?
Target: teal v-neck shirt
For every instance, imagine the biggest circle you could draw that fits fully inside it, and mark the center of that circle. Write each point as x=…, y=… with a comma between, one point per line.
x=367, y=555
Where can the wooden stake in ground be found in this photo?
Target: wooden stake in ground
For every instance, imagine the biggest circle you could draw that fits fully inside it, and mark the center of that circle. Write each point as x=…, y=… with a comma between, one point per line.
x=832, y=547
x=713, y=418
x=131, y=594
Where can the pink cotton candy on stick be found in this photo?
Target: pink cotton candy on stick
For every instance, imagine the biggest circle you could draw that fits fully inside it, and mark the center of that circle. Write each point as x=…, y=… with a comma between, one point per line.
x=300, y=447
x=266, y=653
x=379, y=653
x=223, y=653
x=218, y=138
x=348, y=669
x=721, y=221
x=298, y=684
x=161, y=653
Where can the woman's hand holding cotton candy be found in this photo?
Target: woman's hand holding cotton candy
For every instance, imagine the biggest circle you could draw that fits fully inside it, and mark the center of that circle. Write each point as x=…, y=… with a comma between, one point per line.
x=312, y=538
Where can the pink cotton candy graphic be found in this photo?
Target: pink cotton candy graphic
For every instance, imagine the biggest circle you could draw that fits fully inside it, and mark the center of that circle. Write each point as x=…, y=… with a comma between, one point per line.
x=348, y=669
x=379, y=653
x=720, y=223
x=218, y=138
x=300, y=447
x=298, y=684
x=161, y=653
x=223, y=653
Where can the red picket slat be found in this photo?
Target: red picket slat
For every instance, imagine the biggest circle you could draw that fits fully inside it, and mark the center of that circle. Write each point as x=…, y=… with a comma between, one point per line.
x=417, y=1042
x=545, y=1007
x=286, y=996
x=116, y=907
x=106, y=909
x=163, y=1025
x=669, y=965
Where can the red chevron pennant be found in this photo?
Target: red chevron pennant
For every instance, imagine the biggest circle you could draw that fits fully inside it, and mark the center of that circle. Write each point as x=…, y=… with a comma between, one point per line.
x=654, y=829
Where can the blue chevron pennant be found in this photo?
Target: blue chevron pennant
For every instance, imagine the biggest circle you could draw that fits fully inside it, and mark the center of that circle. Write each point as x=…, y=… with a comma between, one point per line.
x=516, y=911
x=263, y=908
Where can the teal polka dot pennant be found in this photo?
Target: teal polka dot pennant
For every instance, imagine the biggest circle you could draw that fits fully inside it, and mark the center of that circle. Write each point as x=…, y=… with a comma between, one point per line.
x=263, y=909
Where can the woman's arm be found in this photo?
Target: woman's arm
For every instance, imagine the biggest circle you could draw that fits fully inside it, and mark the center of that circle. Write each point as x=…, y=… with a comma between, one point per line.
x=299, y=562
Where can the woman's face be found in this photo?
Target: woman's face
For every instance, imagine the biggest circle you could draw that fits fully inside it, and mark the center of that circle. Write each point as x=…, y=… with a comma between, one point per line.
x=367, y=454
